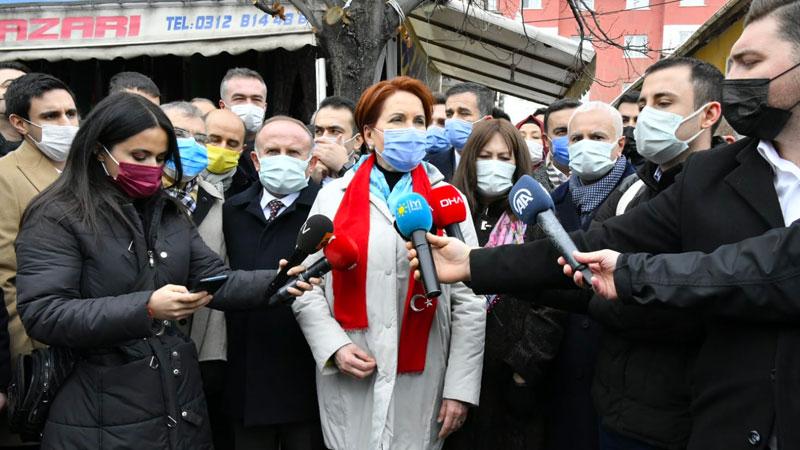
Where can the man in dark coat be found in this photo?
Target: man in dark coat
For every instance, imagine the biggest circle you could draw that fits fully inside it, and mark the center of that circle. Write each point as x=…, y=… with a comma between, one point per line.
x=271, y=387
x=572, y=421
x=744, y=383
x=466, y=104
x=641, y=345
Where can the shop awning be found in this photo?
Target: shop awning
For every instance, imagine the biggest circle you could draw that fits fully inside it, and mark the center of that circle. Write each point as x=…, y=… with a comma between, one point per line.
x=471, y=44
x=82, y=30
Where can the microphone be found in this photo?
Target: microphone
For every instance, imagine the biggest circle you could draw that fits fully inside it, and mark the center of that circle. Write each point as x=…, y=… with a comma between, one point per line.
x=414, y=219
x=313, y=235
x=449, y=210
x=341, y=254
x=532, y=204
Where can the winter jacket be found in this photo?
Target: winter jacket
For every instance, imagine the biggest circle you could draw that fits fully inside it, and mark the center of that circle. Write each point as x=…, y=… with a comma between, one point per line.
x=136, y=383
x=641, y=388
x=390, y=410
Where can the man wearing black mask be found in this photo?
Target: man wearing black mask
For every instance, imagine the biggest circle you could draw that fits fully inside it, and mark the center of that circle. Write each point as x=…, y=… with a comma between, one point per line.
x=629, y=108
x=745, y=388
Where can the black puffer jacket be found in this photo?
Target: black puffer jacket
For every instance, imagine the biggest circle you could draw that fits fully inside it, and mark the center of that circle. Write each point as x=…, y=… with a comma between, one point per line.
x=132, y=387
x=641, y=386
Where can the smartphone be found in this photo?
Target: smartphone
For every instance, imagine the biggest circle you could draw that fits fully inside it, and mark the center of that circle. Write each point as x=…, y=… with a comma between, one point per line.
x=210, y=284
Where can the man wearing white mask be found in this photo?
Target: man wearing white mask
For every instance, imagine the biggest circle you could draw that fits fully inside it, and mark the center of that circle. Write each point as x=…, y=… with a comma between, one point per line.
x=270, y=385
x=244, y=92
x=680, y=99
x=42, y=109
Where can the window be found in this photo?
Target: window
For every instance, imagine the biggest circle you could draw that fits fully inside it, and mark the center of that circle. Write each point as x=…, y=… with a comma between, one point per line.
x=693, y=3
x=636, y=46
x=491, y=5
x=585, y=5
x=531, y=4
x=637, y=4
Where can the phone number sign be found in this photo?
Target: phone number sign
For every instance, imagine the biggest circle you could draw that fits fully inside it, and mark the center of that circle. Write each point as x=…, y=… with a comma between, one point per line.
x=73, y=26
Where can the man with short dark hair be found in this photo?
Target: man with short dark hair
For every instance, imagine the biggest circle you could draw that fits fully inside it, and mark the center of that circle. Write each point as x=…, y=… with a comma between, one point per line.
x=9, y=137
x=439, y=113
x=629, y=108
x=271, y=386
x=336, y=139
x=466, y=104
x=135, y=83
x=556, y=119
x=244, y=92
x=42, y=109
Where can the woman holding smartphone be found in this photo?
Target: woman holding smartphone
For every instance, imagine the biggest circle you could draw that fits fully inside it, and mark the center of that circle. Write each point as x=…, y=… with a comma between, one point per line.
x=106, y=262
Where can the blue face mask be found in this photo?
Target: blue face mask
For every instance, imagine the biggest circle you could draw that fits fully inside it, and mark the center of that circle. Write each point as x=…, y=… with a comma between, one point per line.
x=437, y=140
x=404, y=148
x=561, y=150
x=458, y=132
x=194, y=158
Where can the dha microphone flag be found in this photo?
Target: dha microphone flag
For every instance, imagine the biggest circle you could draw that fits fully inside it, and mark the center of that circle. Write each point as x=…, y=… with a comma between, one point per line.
x=341, y=253
x=449, y=210
x=414, y=220
x=313, y=235
x=532, y=204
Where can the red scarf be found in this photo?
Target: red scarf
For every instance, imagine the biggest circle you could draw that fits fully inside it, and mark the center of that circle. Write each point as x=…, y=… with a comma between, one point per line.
x=350, y=287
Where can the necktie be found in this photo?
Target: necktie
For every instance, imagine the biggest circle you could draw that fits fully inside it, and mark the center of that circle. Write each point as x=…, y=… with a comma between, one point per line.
x=274, y=206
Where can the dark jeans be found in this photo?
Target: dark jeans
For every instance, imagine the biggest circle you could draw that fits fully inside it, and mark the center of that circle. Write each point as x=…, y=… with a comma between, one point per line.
x=287, y=436
x=610, y=440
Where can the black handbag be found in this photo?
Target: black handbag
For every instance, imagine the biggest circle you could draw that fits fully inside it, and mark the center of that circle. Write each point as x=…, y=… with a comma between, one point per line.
x=34, y=384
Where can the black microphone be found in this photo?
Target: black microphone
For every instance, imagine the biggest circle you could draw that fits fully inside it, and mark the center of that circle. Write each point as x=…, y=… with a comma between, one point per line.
x=532, y=204
x=313, y=235
x=340, y=254
x=414, y=219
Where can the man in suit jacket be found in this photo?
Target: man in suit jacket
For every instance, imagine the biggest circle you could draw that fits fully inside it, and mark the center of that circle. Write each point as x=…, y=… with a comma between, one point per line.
x=746, y=393
x=466, y=104
x=34, y=102
x=271, y=389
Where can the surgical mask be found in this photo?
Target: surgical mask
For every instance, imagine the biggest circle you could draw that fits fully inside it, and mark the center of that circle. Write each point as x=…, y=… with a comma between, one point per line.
x=404, y=148
x=56, y=140
x=494, y=177
x=252, y=115
x=221, y=160
x=745, y=107
x=561, y=150
x=655, y=134
x=591, y=160
x=458, y=131
x=536, y=149
x=136, y=180
x=437, y=140
x=194, y=158
x=282, y=174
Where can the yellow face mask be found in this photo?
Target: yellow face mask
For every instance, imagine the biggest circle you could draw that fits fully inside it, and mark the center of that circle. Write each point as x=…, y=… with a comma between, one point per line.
x=221, y=160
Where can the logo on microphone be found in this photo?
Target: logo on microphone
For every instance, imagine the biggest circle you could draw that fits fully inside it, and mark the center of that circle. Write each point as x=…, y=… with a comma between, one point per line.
x=522, y=198
x=447, y=202
x=409, y=206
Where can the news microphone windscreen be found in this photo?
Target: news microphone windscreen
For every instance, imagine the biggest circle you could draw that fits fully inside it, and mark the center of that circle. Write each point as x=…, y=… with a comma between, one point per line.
x=341, y=253
x=314, y=233
x=448, y=206
x=412, y=213
x=528, y=198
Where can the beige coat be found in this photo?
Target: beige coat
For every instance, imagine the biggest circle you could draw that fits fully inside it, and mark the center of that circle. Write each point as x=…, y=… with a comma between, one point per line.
x=387, y=410
x=23, y=174
x=208, y=325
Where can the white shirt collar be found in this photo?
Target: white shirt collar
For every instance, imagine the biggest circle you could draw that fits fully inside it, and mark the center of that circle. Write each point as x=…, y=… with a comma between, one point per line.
x=786, y=181
x=287, y=201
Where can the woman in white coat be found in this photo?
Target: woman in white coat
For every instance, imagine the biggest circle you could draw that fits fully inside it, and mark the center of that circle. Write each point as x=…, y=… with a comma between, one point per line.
x=390, y=377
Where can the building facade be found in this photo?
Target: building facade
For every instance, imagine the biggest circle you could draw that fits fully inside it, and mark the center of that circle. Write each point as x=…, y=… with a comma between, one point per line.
x=647, y=29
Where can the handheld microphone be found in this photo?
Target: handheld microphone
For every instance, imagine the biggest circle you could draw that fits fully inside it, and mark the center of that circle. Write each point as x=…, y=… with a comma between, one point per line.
x=341, y=253
x=414, y=220
x=532, y=204
x=313, y=235
x=449, y=210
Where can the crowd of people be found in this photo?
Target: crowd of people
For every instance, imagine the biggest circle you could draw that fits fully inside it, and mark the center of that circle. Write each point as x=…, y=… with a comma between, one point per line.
x=110, y=220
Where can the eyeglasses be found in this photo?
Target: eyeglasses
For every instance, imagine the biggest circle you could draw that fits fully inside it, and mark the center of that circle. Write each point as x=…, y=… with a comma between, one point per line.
x=186, y=134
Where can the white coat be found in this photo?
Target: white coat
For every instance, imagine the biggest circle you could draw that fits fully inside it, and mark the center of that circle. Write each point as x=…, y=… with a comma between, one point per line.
x=388, y=410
